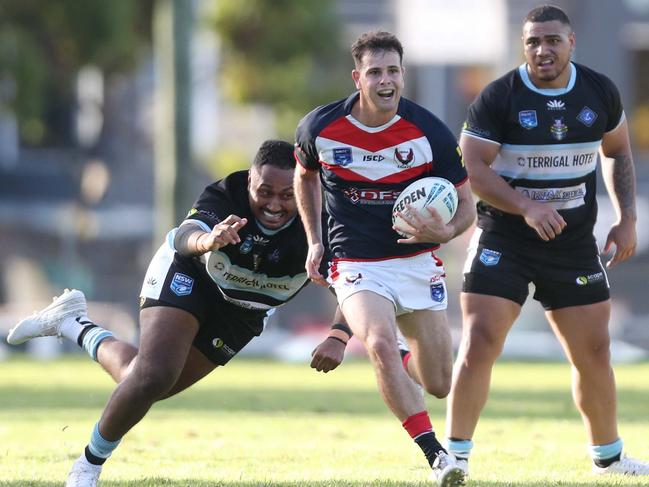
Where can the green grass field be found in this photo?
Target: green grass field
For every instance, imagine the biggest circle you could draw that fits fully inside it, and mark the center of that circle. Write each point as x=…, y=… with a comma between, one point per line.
x=257, y=423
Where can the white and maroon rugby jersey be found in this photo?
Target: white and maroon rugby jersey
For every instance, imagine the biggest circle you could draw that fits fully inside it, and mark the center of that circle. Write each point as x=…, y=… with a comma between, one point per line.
x=363, y=170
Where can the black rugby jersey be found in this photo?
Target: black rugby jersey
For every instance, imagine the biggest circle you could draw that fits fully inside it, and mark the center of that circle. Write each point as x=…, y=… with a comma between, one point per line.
x=266, y=268
x=363, y=170
x=549, y=141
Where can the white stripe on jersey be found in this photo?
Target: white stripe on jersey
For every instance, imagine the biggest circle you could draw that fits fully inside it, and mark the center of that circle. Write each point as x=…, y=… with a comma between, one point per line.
x=546, y=162
x=375, y=168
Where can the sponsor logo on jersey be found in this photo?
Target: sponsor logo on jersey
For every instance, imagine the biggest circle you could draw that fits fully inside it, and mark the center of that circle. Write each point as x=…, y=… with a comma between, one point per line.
x=555, y=105
x=370, y=196
x=587, y=116
x=527, y=119
x=373, y=158
x=560, y=198
x=490, y=257
x=559, y=129
x=151, y=281
x=274, y=256
x=459, y=153
x=590, y=279
x=404, y=157
x=343, y=156
x=437, y=291
x=354, y=279
x=181, y=285
x=475, y=130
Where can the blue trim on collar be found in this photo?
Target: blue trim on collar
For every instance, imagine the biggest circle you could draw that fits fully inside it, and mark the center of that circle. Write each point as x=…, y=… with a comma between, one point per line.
x=522, y=71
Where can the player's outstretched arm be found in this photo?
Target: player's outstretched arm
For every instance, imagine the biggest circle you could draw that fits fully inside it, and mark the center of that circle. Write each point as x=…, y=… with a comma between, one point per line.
x=192, y=240
x=330, y=352
x=309, y=204
x=619, y=176
x=490, y=187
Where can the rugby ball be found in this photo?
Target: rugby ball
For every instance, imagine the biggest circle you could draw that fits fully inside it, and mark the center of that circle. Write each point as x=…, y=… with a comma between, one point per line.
x=438, y=193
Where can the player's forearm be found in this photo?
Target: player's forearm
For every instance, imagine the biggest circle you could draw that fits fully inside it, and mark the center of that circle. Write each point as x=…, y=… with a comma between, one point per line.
x=309, y=202
x=189, y=240
x=493, y=189
x=619, y=177
x=466, y=212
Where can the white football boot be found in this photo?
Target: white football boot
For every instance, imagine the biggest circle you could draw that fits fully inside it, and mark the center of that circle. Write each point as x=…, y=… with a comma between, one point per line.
x=83, y=473
x=446, y=471
x=624, y=466
x=47, y=322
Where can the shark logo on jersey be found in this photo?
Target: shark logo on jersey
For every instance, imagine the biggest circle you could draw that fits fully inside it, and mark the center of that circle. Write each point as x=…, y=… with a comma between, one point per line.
x=559, y=129
x=555, y=105
x=527, y=119
x=404, y=157
x=343, y=156
x=587, y=116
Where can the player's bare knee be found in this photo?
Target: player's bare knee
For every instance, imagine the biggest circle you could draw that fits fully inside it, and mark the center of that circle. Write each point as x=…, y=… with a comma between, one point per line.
x=154, y=382
x=380, y=348
x=440, y=388
x=480, y=345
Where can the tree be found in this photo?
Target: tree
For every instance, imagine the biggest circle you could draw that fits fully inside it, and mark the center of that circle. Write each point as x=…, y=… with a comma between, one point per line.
x=283, y=53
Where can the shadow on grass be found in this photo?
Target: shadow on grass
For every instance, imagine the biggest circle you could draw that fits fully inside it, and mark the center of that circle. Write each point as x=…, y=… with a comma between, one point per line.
x=503, y=404
x=155, y=482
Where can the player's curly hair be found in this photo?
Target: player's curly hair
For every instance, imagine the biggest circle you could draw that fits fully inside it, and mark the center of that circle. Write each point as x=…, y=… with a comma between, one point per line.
x=547, y=13
x=276, y=153
x=373, y=41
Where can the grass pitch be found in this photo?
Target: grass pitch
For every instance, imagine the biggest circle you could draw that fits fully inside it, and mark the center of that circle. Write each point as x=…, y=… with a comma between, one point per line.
x=256, y=423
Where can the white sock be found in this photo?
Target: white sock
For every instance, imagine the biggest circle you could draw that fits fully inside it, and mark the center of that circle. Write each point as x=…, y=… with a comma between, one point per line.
x=71, y=328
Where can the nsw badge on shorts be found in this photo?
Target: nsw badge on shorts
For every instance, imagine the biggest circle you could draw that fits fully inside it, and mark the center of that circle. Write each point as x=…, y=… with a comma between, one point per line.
x=437, y=292
x=489, y=257
x=181, y=284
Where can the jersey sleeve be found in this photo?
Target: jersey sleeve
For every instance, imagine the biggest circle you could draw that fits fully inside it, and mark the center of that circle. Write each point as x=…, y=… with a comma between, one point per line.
x=486, y=116
x=210, y=208
x=448, y=162
x=613, y=104
x=306, y=152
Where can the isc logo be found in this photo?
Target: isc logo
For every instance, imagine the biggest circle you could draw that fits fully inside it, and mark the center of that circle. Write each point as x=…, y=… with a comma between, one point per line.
x=373, y=158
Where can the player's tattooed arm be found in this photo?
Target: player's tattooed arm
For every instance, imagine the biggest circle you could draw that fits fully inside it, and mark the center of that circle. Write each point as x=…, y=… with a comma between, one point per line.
x=623, y=176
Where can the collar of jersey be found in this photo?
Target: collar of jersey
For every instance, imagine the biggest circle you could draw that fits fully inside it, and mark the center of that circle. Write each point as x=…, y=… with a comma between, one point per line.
x=269, y=232
x=349, y=103
x=522, y=70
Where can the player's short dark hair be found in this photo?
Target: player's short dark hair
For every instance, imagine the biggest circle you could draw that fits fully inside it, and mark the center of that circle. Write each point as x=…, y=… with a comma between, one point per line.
x=374, y=41
x=276, y=153
x=547, y=13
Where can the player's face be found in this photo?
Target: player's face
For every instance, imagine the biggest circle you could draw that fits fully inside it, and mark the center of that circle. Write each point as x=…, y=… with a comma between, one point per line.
x=379, y=79
x=271, y=196
x=548, y=46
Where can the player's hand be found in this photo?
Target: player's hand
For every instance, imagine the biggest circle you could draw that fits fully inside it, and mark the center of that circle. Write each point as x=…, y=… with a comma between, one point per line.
x=544, y=219
x=420, y=228
x=224, y=233
x=313, y=259
x=327, y=355
x=623, y=235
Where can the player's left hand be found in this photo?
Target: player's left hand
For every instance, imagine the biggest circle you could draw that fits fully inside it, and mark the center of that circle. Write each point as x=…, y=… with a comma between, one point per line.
x=623, y=235
x=313, y=259
x=327, y=355
x=429, y=228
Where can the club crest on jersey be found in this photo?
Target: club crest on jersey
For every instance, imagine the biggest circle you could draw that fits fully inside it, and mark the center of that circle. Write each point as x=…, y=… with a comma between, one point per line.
x=527, y=119
x=587, y=116
x=404, y=157
x=555, y=105
x=490, y=257
x=343, y=156
x=246, y=245
x=181, y=285
x=559, y=129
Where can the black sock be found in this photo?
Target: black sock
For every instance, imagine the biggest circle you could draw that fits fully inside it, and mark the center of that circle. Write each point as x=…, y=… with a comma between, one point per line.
x=430, y=446
x=605, y=462
x=89, y=325
x=95, y=460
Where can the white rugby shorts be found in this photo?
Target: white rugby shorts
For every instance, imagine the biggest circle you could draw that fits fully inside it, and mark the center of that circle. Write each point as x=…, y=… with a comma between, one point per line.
x=411, y=283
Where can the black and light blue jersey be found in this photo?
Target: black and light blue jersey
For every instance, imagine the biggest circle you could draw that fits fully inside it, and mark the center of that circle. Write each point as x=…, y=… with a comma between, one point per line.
x=549, y=141
x=364, y=169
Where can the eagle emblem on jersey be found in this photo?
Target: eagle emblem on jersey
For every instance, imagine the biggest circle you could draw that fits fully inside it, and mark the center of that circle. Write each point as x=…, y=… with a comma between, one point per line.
x=527, y=119
x=559, y=129
x=587, y=116
x=405, y=157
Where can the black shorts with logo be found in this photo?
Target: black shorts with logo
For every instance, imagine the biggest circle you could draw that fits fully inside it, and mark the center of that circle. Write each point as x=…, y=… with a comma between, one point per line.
x=224, y=328
x=564, y=279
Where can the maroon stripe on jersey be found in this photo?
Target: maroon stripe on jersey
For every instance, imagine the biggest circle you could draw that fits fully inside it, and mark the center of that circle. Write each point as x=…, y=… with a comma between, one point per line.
x=397, y=177
x=345, y=132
